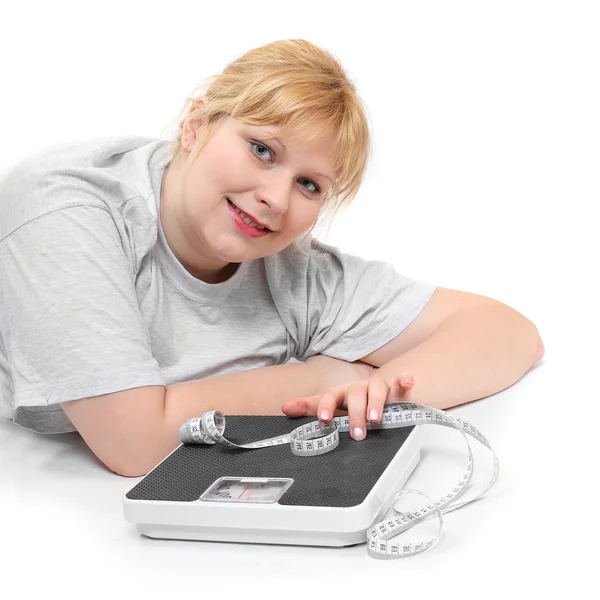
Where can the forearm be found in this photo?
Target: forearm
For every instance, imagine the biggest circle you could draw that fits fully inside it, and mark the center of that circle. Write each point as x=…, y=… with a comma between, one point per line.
x=475, y=353
x=260, y=391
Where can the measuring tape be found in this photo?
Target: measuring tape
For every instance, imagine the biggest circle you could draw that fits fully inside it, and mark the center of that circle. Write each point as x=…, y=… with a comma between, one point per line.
x=209, y=428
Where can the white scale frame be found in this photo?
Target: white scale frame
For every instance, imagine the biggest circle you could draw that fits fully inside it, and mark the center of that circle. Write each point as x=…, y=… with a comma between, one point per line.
x=273, y=523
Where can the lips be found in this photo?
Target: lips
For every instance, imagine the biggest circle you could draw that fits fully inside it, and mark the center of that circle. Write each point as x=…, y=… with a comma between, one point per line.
x=251, y=217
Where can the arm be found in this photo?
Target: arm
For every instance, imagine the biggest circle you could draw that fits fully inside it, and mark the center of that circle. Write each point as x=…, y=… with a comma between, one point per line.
x=260, y=391
x=458, y=349
x=474, y=353
x=132, y=430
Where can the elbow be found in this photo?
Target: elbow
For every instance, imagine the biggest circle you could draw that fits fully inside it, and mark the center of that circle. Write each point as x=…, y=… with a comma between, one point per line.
x=137, y=460
x=527, y=333
x=540, y=350
x=139, y=464
x=125, y=471
x=125, y=468
x=529, y=329
x=142, y=463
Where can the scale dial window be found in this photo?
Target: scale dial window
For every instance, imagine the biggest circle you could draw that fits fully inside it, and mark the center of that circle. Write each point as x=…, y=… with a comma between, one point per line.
x=247, y=490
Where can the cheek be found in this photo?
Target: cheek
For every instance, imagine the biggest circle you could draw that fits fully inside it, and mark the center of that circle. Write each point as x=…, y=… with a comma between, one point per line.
x=302, y=214
x=229, y=167
x=218, y=176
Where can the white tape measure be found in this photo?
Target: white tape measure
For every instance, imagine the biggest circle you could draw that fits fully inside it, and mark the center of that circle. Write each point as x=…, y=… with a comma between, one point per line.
x=209, y=428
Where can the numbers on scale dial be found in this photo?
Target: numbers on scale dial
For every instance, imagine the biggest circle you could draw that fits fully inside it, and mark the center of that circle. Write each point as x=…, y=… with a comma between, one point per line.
x=247, y=490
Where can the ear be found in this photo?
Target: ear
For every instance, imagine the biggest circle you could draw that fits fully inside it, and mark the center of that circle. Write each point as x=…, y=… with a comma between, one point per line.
x=192, y=123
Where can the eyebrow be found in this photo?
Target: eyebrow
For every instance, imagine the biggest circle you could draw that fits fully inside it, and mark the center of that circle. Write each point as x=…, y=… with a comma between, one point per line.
x=285, y=148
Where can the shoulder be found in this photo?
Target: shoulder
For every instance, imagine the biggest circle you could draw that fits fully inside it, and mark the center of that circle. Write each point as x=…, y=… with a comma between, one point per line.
x=77, y=173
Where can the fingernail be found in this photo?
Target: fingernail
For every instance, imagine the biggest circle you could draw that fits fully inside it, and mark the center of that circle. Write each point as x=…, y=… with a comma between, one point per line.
x=373, y=414
x=358, y=433
x=324, y=415
x=407, y=380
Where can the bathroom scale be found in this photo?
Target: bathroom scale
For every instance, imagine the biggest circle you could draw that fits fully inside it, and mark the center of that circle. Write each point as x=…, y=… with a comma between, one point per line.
x=212, y=492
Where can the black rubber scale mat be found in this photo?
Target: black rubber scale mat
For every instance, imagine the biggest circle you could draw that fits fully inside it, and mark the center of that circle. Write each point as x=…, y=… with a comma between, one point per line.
x=342, y=477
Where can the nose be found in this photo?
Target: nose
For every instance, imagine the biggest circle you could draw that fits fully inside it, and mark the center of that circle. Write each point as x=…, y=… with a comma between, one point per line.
x=275, y=191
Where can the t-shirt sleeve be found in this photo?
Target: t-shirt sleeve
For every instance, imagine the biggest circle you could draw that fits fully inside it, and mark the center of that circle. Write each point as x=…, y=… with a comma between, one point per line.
x=354, y=305
x=69, y=314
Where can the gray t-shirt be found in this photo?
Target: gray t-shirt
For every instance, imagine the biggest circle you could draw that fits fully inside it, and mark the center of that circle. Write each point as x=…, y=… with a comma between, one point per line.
x=93, y=300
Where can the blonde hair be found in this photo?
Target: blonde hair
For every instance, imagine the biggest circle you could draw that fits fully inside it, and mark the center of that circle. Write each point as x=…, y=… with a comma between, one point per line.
x=299, y=87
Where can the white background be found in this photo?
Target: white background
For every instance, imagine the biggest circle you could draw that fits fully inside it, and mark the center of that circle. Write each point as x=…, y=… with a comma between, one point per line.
x=484, y=177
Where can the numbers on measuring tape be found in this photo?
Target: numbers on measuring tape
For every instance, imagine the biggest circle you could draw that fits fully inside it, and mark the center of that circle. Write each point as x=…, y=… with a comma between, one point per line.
x=308, y=440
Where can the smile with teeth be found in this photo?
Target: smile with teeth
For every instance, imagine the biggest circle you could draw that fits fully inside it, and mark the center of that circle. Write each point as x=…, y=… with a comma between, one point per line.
x=247, y=220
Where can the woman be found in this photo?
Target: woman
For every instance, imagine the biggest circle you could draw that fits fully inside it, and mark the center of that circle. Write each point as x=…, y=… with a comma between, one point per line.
x=144, y=282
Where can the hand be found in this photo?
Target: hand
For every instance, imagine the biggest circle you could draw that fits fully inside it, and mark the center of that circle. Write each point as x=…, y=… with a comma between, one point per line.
x=359, y=398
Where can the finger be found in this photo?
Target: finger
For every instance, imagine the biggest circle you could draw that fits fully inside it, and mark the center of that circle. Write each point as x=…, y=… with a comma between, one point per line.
x=377, y=395
x=311, y=405
x=406, y=380
x=356, y=401
x=305, y=406
x=400, y=388
x=301, y=407
x=330, y=401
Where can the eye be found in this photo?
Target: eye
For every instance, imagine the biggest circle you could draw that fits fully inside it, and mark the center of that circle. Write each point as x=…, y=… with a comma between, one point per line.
x=317, y=189
x=314, y=192
x=260, y=145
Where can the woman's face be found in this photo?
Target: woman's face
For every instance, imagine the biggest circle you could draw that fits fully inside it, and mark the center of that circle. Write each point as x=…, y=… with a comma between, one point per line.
x=281, y=184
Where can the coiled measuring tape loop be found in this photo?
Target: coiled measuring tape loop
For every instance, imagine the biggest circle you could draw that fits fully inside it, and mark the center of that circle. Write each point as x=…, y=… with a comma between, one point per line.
x=209, y=428
x=378, y=536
